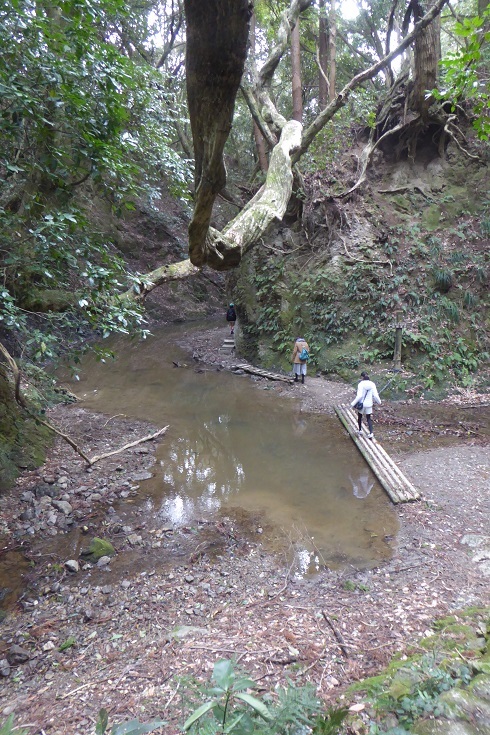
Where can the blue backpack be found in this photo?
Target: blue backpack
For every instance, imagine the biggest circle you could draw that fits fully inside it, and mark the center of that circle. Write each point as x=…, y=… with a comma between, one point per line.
x=304, y=355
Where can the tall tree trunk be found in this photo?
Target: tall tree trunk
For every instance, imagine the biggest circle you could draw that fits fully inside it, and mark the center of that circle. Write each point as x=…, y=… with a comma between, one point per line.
x=427, y=54
x=482, y=6
x=259, y=138
x=332, y=42
x=322, y=56
x=217, y=37
x=296, y=73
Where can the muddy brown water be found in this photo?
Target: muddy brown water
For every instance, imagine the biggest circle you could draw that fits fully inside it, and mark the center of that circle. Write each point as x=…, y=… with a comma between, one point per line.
x=234, y=450
x=292, y=481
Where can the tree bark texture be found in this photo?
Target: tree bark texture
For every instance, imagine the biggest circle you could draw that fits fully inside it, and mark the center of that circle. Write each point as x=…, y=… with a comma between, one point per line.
x=332, y=47
x=217, y=34
x=224, y=250
x=297, y=92
x=427, y=54
x=322, y=57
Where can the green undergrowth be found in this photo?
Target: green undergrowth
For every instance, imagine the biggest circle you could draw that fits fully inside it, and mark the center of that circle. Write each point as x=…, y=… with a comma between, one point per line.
x=433, y=280
x=413, y=688
x=420, y=686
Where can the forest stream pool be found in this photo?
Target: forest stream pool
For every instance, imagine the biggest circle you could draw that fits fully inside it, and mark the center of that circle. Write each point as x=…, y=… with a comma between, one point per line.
x=235, y=452
x=233, y=449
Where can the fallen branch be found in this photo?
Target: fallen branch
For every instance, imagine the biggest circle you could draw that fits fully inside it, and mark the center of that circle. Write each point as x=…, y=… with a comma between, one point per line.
x=337, y=635
x=16, y=374
x=98, y=457
x=84, y=686
x=21, y=402
x=113, y=417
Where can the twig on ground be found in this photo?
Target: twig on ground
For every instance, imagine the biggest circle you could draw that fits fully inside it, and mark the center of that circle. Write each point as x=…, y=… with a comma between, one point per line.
x=167, y=703
x=338, y=635
x=113, y=417
x=84, y=686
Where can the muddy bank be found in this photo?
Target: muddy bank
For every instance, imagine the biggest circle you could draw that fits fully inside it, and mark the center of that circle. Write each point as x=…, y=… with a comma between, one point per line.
x=118, y=635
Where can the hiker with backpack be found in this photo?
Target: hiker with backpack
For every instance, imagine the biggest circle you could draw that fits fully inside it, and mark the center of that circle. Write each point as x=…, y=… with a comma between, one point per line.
x=299, y=358
x=231, y=317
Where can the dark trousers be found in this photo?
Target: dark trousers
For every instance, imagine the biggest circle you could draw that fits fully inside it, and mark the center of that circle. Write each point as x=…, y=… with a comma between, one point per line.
x=369, y=419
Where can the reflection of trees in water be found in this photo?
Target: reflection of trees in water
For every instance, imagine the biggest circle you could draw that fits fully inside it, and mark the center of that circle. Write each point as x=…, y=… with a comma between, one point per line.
x=206, y=463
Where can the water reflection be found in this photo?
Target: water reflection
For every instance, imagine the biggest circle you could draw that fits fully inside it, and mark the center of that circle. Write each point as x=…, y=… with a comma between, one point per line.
x=362, y=484
x=232, y=446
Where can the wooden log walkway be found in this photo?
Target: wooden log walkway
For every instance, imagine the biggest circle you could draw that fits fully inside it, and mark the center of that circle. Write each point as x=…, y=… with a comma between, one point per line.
x=392, y=479
x=262, y=373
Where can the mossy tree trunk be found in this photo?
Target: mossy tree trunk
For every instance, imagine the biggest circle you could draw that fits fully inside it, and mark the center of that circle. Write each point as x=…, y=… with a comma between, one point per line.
x=22, y=442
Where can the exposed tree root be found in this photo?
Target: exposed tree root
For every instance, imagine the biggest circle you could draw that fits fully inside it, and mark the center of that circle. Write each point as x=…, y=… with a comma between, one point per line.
x=368, y=262
x=367, y=156
x=448, y=129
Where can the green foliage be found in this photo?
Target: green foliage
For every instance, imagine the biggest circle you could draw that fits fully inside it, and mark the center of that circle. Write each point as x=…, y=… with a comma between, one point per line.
x=132, y=727
x=461, y=72
x=60, y=251
x=450, y=309
x=443, y=279
x=469, y=300
x=231, y=709
x=79, y=119
x=330, y=724
x=67, y=644
x=8, y=728
x=415, y=689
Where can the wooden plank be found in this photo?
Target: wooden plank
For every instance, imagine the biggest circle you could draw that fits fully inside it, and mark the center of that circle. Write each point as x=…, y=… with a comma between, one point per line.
x=392, y=479
x=399, y=484
x=382, y=476
x=262, y=373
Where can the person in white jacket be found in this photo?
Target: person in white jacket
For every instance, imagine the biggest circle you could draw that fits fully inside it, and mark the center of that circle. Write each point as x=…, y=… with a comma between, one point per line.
x=367, y=393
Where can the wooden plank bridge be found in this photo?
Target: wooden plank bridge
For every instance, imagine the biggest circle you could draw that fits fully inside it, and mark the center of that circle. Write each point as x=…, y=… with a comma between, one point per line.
x=262, y=373
x=392, y=479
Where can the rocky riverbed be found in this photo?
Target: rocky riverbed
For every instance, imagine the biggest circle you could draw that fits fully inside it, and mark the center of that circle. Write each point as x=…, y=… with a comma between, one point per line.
x=119, y=630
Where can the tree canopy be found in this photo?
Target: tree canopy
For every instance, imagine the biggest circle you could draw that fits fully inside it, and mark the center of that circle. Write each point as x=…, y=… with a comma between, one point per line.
x=97, y=102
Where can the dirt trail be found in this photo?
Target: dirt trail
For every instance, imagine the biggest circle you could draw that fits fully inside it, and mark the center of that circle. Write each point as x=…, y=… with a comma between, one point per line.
x=219, y=594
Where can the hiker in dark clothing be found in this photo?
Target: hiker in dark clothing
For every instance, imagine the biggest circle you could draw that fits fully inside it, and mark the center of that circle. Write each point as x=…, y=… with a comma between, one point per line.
x=231, y=317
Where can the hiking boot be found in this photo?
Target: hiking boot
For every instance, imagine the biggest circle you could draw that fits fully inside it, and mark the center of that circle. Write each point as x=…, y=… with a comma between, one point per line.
x=360, y=432
x=303, y=379
x=295, y=378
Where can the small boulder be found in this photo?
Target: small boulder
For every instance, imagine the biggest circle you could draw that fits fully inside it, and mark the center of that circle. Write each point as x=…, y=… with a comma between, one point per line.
x=72, y=565
x=63, y=506
x=4, y=667
x=17, y=655
x=98, y=548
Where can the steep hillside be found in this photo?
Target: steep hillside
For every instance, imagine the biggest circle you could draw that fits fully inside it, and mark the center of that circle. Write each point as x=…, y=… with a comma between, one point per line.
x=409, y=247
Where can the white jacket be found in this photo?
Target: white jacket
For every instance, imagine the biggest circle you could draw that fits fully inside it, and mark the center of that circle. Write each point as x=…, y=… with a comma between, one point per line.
x=366, y=392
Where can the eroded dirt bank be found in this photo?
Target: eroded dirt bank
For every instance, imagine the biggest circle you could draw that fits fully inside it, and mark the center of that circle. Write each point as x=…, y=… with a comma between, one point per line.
x=128, y=630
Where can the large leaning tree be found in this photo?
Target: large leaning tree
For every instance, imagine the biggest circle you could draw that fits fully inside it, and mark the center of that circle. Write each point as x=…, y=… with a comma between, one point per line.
x=216, y=57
